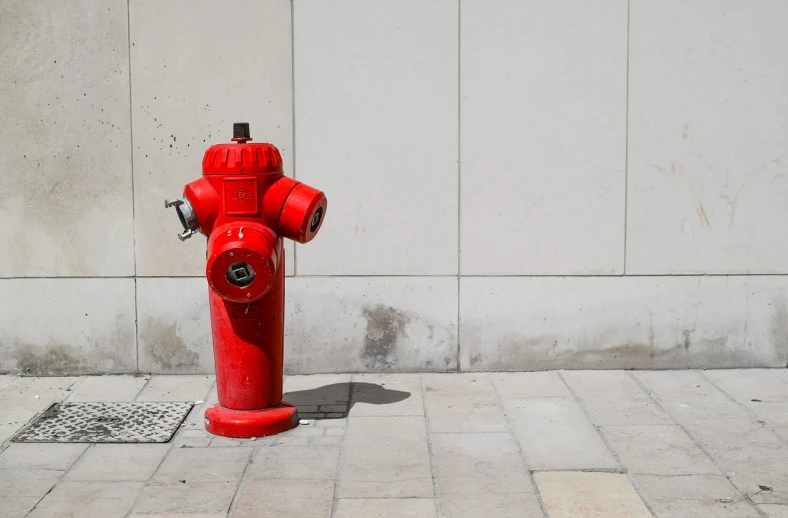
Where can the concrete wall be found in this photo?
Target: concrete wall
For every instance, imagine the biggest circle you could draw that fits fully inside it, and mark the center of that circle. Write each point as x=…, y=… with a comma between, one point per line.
x=513, y=184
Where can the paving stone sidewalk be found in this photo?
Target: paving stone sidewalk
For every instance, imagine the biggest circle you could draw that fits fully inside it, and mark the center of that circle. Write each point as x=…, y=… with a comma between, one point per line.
x=607, y=444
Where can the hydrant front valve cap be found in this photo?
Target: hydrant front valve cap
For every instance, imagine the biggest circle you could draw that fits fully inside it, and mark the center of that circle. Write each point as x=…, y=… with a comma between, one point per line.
x=244, y=276
x=241, y=269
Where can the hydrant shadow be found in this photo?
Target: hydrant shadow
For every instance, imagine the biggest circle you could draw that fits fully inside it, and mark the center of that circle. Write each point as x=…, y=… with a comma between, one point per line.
x=335, y=401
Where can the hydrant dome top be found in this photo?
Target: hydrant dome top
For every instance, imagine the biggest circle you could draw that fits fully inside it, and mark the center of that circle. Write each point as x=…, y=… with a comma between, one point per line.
x=246, y=158
x=242, y=157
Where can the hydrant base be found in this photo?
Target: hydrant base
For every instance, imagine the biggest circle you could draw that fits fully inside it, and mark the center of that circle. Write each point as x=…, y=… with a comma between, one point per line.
x=245, y=424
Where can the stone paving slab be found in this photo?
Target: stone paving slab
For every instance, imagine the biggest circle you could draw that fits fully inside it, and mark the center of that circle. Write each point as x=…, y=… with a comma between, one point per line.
x=176, y=388
x=41, y=456
x=23, y=398
x=775, y=511
x=386, y=457
x=295, y=462
x=675, y=384
x=707, y=413
x=18, y=505
x=7, y=379
x=285, y=498
x=755, y=460
x=196, y=418
x=765, y=398
x=203, y=465
x=387, y=508
x=88, y=499
x=613, y=398
x=463, y=403
x=500, y=506
x=555, y=434
x=780, y=373
x=774, y=415
x=744, y=385
x=589, y=495
x=22, y=392
x=605, y=443
x=130, y=462
x=744, y=449
x=21, y=490
x=523, y=385
x=479, y=463
x=12, y=421
x=100, y=388
x=190, y=497
x=693, y=495
x=657, y=450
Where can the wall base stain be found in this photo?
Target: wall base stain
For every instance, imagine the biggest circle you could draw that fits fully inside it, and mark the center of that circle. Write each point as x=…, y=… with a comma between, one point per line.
x=168, y=350
x=53, y=361
x=385, y=327
x=717, y=349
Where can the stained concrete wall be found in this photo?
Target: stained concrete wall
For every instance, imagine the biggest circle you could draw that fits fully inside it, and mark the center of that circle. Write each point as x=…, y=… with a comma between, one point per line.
x=514, y=184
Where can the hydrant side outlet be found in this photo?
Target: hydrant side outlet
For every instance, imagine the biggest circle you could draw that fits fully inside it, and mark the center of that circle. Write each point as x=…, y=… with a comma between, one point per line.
x=245, y=206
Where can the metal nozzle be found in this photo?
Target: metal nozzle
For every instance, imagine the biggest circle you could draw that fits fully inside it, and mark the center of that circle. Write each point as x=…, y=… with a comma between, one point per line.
x=187, y=216
x=186, y=234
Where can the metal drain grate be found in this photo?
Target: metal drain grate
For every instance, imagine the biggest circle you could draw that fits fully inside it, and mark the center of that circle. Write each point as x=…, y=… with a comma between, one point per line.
x=135, y=422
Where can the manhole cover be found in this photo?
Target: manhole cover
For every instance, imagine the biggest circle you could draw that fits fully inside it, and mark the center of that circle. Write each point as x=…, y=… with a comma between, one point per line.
x=107, y=422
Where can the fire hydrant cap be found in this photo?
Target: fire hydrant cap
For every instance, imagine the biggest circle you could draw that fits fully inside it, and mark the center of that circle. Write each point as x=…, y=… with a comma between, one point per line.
x=242, y=263
x=241, y=157
x=303, y=213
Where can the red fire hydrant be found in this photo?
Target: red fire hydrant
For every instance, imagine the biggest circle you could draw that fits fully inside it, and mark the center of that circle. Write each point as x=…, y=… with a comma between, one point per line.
x=245, y=205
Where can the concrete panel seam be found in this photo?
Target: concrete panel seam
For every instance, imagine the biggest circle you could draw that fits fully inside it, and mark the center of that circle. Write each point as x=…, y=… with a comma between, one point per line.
x=131, y=151
x=136, y=329
x=626, y=145
x=293, y=113
x=459, y=172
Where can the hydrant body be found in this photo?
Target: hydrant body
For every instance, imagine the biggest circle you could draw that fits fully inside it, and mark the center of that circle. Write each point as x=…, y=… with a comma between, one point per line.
x=245, y=205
